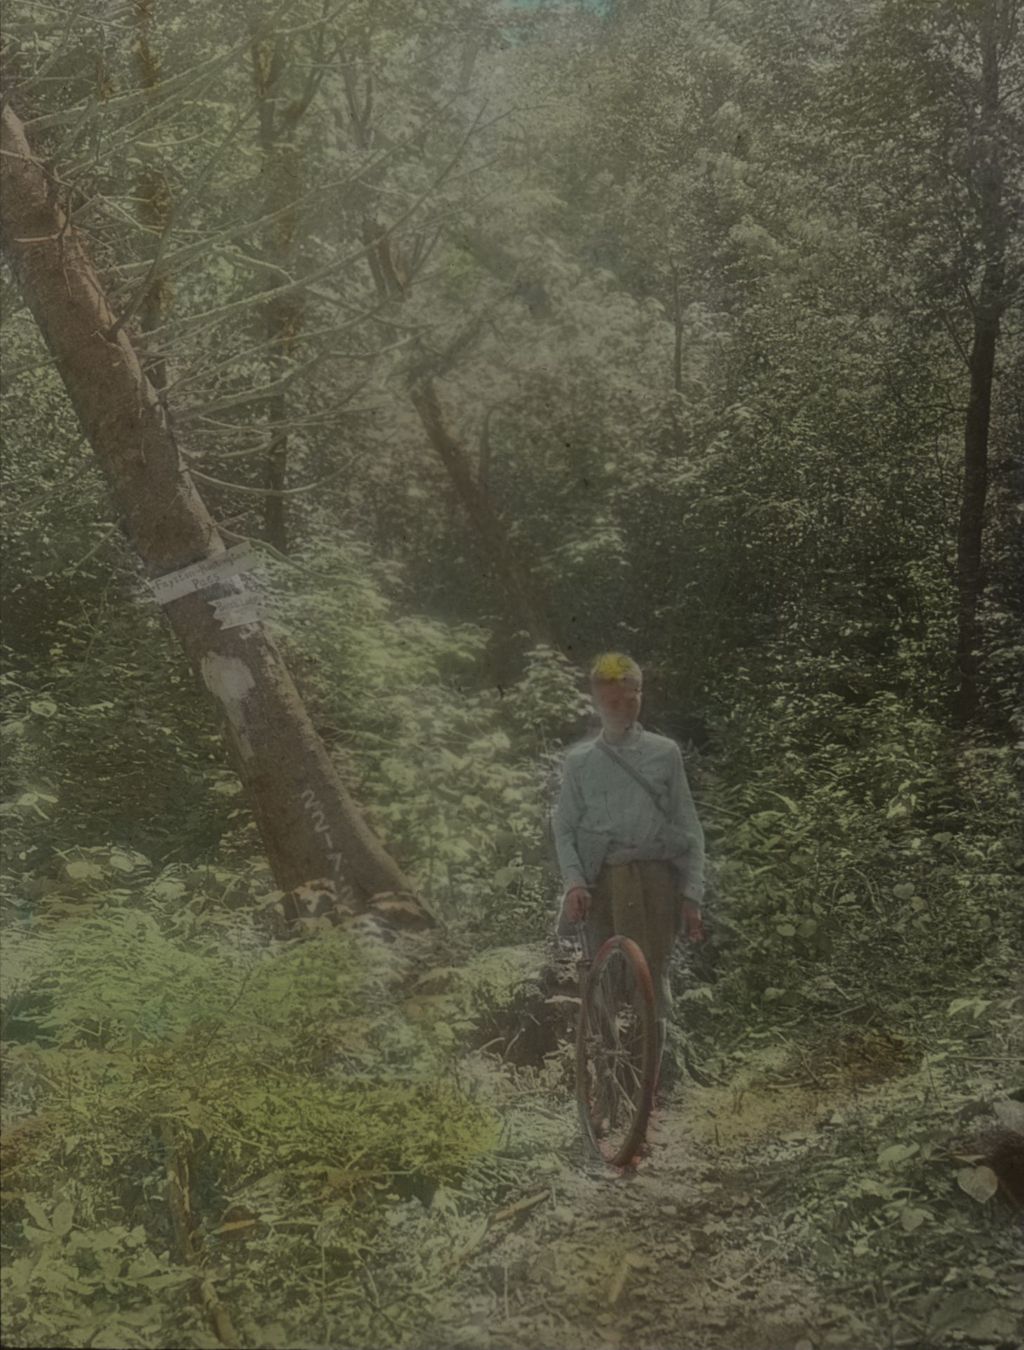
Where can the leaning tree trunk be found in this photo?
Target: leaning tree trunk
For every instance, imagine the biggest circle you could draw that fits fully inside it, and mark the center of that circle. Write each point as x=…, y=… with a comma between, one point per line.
x=986, y=171
x=311, y=829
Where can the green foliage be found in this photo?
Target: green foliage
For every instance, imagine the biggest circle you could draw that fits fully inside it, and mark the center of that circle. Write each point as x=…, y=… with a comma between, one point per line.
x=854, y=845
x=103, y=735
x=56, y=537
x=547, y=704
x=280, y=1076
x=121, y=749
x=704, y=350
x=80, y=1284
x=445, y=766
x=900, y=1203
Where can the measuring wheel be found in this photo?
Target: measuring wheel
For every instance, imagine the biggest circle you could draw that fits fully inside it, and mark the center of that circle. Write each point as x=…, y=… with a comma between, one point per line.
x=616, y=1051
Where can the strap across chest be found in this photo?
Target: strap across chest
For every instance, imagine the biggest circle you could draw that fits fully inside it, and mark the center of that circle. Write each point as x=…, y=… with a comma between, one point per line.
x=633, y=773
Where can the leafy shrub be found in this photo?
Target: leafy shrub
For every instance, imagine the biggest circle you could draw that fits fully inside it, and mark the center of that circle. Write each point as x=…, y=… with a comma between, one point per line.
x=281, y=1080
x=452, y=773
x=857, y=852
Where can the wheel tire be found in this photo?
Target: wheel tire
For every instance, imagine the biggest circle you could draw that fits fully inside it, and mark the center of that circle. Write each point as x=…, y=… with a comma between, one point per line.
x=627, y=950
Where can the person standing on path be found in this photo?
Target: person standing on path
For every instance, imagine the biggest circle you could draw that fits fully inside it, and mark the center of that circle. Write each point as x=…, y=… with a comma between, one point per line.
x=629, y=844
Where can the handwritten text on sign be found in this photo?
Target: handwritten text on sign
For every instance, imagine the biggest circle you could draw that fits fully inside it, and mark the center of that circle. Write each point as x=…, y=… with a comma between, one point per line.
x=204, y=573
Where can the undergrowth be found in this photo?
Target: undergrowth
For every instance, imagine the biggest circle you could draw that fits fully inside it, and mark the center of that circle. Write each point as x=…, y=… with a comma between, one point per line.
x=284, y=1080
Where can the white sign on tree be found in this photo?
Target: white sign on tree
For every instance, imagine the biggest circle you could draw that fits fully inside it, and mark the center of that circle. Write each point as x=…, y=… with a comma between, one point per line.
x=204, y=573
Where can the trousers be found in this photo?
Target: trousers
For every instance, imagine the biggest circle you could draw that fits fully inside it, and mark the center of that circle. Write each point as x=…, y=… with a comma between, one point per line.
x=639, y=900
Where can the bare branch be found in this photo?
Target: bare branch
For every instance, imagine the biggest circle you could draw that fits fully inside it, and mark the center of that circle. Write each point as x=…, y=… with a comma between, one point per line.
x=956, y=339
x=202, y=246
x=262, y=393
x=177, y=209
x=340, y=413
x=273, y=492
x=358, y=255
x=333, y=330
x=39, y=76
x=177, y=85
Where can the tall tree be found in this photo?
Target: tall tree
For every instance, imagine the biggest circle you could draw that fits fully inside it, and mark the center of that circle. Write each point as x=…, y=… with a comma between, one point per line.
x=996, y=30
x=310, y=826
x=153, y=188
x=936, y=92
x=280, y=110
x=441, y=147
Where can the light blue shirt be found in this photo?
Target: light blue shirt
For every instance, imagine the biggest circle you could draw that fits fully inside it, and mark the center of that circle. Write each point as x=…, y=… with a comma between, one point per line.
x=604, y=815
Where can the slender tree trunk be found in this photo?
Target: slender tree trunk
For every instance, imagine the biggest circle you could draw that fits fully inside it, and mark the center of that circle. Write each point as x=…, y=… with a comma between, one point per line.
x=677, y=362
x=282, y=318
x=515, y=579
x=391, y=280
x=310, y=827
x=154, y=191
x=280, y=330
x=972, y=516
x=986, y=170
x=487, y=525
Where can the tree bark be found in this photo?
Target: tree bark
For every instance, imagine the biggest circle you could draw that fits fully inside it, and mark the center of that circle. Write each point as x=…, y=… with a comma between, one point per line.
x=986, y=171
x=972, y=516
x=677, y=361
x=514, y=577
x=311, y=828
x=153, y=189
x=282, y=318
x=487, y=524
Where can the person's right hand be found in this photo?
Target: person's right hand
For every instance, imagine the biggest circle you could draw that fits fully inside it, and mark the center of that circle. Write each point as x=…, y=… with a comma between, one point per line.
x=577, y=902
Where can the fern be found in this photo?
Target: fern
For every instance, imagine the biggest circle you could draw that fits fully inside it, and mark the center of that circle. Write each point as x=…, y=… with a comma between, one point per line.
x=289, y=1081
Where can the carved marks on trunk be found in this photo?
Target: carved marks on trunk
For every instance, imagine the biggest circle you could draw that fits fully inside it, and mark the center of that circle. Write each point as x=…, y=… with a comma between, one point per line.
x=316, y=811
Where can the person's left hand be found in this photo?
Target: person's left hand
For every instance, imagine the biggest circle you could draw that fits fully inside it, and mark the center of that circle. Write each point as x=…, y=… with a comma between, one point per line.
x=693, y=922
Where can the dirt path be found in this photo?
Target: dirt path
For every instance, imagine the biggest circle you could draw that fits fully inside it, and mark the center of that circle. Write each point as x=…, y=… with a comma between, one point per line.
x=704, y=1246
x=667, y=1255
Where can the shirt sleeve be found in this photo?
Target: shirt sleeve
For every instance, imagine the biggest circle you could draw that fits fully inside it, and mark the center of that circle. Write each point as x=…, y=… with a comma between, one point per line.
x=565, y=820
x=684, y=814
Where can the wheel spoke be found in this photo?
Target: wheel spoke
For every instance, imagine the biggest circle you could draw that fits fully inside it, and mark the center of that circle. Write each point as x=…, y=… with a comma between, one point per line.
x=617, y=1027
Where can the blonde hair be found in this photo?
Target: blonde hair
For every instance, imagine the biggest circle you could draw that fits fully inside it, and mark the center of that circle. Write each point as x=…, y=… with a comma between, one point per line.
x=613, y=666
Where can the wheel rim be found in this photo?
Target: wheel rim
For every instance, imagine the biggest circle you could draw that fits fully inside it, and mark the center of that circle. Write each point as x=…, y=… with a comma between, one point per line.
x=615, y=1060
